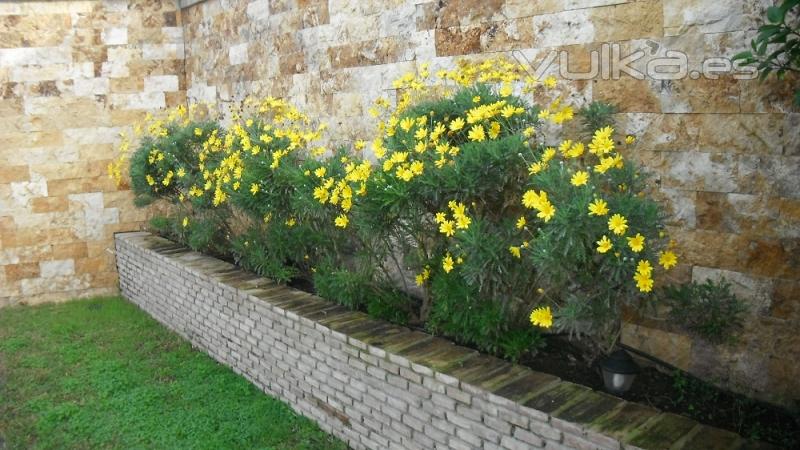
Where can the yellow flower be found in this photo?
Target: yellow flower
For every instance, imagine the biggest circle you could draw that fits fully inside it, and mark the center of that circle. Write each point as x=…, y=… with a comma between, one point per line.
x=494, y=130
x=550, y=82
x=644, y=267
x=198, y=132
x=506, y=90
x=576, y=150
x=320, y=172
x=407, y=123
x=643, y=282
x=290, y=222
x=604, y=245
x=618, y=224
x=360, y=144
x=546, y=211
x=667, y=259
x=580, y=178
x=181, y=173
x=565, y=146
x=440, y=217
x=254, y=188
x=599, y=207
x=447, y=263
x=536, y=168
x=630, y=139
x=462, y=222
x=508, y=111
x=457, y=124
x=447, y=228
x=636, y=243
x=521, y=222
x=321, y=194
x=530, y=199
x=341, y=221
x=150, y=180
x=514, y=251
x=185, y=222
x=476, y=133
x=529, y=132
x=476, y=99
x=542, y=317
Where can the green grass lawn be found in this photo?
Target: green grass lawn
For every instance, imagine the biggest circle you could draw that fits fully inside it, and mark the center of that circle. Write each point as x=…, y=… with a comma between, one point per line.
x=100, y=373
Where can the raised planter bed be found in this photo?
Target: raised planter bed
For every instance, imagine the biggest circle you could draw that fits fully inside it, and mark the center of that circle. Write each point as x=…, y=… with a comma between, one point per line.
x=377, y=385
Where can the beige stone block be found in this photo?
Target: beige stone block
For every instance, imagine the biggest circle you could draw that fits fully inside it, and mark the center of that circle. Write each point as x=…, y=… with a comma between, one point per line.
x=98, y=183
x=628, y=94
x=50, y=7
x=70, y=250
x=48, y=204
x=670, y=347
x=97, y=152
x=39, y=30
x=92, y=135
x=14, y=57
x=145, y=100
x=237, y=54
x=57, y=268
x=16, y=272
x=632, y=20
x=115, y=36
x=9, y=174
x=702, y=95
x=31, y=237
x=161, y=83
x=710, y=16
x=95, y=266
x=162, y=51
x=45, y=72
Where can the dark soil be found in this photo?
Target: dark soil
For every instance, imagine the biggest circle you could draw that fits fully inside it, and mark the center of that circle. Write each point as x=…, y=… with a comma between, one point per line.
x=677, y=392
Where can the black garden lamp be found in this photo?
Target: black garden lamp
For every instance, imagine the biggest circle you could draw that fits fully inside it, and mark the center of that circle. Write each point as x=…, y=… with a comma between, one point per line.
x=619, y=371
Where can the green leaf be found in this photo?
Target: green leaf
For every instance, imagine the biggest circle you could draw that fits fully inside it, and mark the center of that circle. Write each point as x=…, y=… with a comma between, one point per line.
x=775, y=14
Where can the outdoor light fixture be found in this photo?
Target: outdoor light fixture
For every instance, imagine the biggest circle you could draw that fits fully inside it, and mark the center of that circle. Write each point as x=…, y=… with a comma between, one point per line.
x=619, y=370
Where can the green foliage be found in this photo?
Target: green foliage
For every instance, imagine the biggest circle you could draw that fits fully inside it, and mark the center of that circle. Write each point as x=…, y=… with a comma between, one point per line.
x=596, y=115
x=776, y=48
x=100, y=373
x=709, y=309
x=465, y=188
x=252, y=250
x=462, y=315
x=358, y=290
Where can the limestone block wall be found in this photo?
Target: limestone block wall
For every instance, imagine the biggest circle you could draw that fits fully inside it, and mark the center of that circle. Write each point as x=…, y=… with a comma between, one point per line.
x=724, y=152
x=376, y=385
x=73, y=74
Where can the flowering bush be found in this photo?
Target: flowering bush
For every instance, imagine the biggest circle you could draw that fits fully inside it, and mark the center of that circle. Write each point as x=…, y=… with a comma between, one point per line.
x=473, y=221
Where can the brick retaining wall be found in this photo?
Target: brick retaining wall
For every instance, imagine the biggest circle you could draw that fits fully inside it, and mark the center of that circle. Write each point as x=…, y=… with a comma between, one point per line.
x=376, y=385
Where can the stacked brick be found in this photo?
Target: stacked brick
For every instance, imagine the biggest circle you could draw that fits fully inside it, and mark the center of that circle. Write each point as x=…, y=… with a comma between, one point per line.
x=376, y=385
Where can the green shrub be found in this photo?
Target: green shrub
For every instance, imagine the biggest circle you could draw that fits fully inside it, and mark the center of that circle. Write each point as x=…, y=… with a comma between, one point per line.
x=708, y=309
x=498, y=224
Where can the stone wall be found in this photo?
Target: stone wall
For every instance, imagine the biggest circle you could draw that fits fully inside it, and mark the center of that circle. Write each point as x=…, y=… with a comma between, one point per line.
x=724, y=152
x=376, y=385
x=73, y=74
